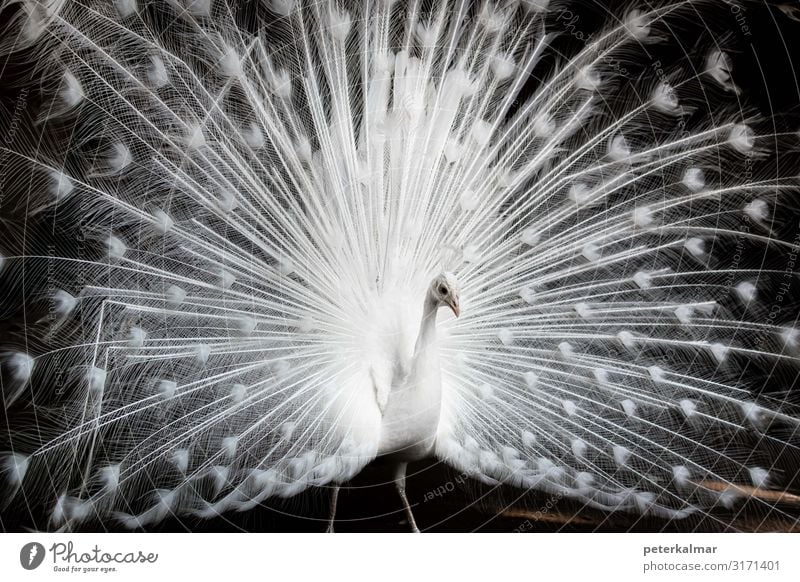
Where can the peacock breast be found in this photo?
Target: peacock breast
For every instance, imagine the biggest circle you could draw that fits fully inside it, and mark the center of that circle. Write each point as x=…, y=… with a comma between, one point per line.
x=411, y=416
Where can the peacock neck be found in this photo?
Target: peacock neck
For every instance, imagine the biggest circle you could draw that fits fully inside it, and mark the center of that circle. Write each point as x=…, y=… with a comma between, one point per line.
x=427, y=329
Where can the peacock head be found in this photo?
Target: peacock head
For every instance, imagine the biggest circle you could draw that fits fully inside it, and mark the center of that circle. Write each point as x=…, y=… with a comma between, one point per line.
x=446, y=291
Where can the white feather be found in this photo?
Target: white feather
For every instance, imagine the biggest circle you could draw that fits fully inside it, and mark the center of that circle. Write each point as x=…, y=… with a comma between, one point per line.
x=63, y=303
x=15, y=467
x=61, y=185
x=284, y=221
x=115, y=247
x=760, y=477
x=742, y=138
x=694, y=179
x=20, y=366
x=96, y=379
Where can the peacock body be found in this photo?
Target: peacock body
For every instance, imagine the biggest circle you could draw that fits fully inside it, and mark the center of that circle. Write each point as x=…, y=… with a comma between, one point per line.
x=233, y=226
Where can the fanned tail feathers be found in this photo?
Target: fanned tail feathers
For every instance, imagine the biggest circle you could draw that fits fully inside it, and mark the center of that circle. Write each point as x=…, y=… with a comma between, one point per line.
x=226, y=207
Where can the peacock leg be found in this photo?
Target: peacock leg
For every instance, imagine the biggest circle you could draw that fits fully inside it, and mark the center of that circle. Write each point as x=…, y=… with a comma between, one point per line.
x=334, y=498
x=400, y=482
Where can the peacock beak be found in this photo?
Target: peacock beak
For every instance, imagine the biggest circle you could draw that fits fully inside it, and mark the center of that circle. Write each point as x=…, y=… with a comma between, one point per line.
x=454, y=306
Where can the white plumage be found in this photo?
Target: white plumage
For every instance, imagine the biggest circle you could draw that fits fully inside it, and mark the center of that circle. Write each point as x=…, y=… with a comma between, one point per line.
x=253, y=214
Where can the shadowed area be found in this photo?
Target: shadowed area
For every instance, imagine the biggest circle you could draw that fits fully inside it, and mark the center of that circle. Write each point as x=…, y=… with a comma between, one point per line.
x=255, y=254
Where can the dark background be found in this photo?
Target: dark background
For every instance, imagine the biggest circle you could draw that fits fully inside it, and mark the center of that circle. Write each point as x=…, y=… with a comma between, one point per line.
x=442, y=499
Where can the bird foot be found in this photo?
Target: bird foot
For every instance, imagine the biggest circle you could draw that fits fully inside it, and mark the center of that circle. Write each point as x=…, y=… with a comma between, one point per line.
x=332, y=518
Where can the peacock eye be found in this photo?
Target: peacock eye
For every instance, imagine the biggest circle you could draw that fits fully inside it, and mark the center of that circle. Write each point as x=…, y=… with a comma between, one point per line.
x=443, y=290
